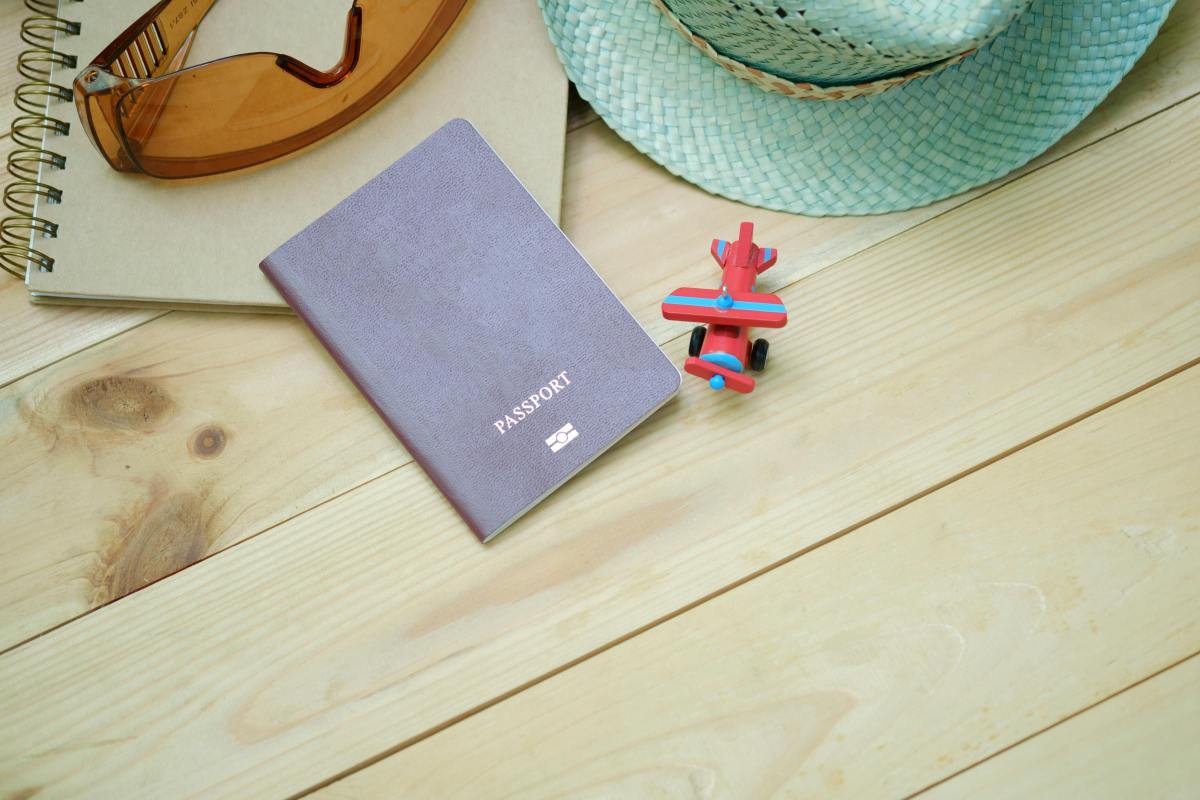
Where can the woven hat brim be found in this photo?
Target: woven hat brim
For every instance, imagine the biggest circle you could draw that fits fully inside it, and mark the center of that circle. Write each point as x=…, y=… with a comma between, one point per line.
x=907, y=147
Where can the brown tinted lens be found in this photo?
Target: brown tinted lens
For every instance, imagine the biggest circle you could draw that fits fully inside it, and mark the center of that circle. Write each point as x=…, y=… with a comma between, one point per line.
x=100, y=129
x=247, y=109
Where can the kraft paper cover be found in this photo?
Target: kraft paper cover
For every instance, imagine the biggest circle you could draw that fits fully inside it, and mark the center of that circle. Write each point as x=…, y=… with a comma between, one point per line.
x=132, y=240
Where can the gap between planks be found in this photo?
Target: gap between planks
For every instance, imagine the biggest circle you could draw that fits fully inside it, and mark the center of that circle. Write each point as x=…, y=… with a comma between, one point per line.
x=1012, y=180
x=759, y=573
x=1032, y=169
x=1075, y=714
x=1148, y=259
x=1161, y=69
x=555, y=708
x=1193, y=362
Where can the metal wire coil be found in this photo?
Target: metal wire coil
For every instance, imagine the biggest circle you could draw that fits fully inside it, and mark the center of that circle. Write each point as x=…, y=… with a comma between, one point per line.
x=29, y=162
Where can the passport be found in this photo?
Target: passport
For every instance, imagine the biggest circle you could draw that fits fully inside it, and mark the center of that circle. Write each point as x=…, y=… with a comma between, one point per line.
x=481, y=336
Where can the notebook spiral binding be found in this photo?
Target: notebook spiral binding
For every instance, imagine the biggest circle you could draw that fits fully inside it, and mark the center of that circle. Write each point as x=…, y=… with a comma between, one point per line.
x=31, y=158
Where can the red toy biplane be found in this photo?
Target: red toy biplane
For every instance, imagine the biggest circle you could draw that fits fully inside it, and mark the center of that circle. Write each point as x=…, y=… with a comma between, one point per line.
x=722, y=353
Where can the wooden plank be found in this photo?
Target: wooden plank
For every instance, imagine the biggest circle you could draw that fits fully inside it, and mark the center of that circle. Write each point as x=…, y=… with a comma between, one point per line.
x=1141, y=743
x=34, y=336
x=888, y=659
x=116, y=519
x=149, y=463
x=375, y=617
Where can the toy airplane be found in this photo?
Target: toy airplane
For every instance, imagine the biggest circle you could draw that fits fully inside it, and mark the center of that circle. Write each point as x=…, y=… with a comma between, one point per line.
x=722, y=353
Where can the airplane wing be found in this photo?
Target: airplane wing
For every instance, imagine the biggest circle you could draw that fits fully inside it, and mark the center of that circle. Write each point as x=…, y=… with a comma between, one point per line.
x=748, y=309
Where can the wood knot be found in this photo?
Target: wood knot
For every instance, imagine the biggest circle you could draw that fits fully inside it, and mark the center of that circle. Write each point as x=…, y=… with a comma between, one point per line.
x=207, y=442
x=161, y=536
x=120, y=402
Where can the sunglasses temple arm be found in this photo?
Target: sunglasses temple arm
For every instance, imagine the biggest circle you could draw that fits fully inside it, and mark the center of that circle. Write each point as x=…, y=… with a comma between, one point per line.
x=187, y=15
x=349, y=61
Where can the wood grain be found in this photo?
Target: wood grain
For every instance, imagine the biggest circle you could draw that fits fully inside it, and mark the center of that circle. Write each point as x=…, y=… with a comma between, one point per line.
x=375, y=617
x=873, y=666
x=296, y=431
x=1141, y=743
x=152, y=462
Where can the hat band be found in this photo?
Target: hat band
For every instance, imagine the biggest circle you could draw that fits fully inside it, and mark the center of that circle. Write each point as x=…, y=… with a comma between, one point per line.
x=802, y=89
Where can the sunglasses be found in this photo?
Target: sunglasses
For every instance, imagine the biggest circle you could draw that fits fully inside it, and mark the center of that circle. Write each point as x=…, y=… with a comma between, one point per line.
x=146, y=113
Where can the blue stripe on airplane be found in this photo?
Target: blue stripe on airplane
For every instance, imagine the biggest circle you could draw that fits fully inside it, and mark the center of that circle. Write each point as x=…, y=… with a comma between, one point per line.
x=722, y=359
x=738, y=305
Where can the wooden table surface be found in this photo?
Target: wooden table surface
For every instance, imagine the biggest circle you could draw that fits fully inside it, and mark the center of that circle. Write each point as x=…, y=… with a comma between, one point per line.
x=964, y=561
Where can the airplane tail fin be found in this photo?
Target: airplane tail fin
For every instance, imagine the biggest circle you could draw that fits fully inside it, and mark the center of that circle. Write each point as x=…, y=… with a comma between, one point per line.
x=719, y=249
x=744, y=251
x=769, y=256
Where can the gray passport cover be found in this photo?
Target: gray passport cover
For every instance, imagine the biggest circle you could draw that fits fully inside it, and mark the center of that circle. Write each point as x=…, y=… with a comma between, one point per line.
x=482, y=337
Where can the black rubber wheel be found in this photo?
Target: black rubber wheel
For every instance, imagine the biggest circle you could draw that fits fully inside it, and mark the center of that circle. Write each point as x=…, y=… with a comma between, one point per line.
x=758, y=355
x=697, y=341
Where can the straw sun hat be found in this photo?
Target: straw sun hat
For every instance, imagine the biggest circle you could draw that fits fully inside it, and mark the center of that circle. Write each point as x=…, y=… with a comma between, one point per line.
x=846, y=106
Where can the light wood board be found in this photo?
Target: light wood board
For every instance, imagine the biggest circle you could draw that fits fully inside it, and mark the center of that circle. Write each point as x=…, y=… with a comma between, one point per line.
x=1141, y=743
x=872, y=667
x=319, y=608
x=374, y=618
x=151, y=505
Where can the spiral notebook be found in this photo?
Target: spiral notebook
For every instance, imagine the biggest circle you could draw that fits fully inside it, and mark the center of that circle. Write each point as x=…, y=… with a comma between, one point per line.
x=129, y=240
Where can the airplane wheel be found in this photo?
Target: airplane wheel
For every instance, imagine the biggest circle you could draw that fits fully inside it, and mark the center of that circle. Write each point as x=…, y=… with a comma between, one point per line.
x=697, y=341
x=758, y=356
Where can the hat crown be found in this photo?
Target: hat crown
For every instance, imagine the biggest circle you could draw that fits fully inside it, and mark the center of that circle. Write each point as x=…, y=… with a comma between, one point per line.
x=844, y=41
